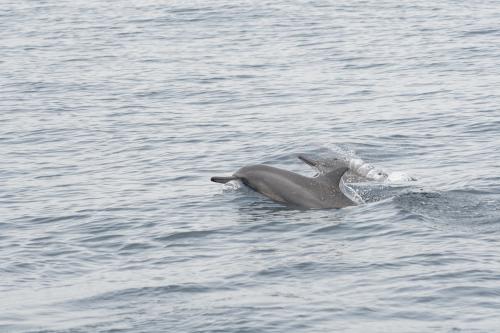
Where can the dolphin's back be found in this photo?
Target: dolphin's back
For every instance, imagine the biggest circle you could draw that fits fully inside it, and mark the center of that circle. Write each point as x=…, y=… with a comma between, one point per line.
x=288, y=187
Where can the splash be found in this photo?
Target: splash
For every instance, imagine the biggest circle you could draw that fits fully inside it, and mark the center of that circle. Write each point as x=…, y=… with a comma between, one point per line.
x=366, y=170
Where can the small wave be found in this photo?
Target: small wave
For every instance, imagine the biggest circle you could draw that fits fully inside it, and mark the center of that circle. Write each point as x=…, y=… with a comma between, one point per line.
x=301, y=268
x=40, y=220
x=154, y=292
x=184, y=235
x=481, y=32
x=100, y=238
x=134, y=247
x=329, y=229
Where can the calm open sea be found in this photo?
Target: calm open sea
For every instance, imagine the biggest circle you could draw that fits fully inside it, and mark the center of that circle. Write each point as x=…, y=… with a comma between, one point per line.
x=115, y=114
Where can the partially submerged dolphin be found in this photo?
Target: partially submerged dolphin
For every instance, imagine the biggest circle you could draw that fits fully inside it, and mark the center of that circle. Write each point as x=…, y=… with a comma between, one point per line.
x=321, y=191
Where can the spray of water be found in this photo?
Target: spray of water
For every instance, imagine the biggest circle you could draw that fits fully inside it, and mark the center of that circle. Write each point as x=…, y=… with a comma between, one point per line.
x=366, y=170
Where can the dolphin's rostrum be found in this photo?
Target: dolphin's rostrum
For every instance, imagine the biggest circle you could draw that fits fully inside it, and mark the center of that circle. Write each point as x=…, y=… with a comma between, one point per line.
x=283, y=186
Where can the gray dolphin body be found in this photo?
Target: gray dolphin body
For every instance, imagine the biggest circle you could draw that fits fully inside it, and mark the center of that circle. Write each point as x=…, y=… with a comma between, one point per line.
x=322, y=191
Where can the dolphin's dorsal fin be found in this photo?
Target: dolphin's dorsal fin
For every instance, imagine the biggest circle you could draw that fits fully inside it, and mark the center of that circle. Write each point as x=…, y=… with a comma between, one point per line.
x=333, y=177
x=322, y=166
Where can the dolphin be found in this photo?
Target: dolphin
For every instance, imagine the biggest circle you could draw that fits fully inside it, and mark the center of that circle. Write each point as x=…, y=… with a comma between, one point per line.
x=286, y=187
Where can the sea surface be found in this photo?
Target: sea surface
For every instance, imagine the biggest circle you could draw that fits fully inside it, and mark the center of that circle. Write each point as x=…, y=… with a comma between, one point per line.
x=115, y=114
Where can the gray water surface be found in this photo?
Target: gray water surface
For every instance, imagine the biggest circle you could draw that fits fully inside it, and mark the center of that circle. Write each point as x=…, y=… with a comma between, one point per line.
x=115, y=114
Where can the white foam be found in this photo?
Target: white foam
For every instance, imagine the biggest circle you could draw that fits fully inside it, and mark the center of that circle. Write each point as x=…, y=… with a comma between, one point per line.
x=371, y=172
x=367, y=170
x=399, y=176
x=231, y=186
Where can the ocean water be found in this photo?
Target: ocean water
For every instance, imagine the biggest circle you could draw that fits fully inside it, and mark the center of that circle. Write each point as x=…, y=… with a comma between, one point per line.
x=115, y=114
